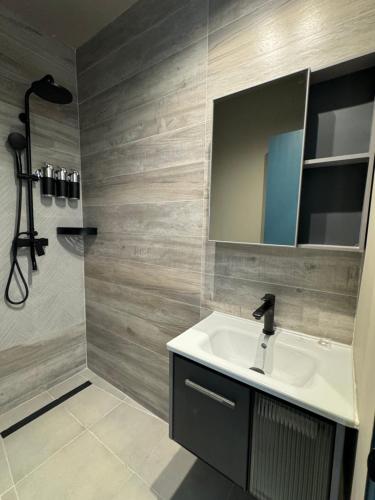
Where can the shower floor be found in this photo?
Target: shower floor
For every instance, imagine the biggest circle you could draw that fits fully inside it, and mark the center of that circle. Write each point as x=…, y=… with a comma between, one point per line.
x=99, y=444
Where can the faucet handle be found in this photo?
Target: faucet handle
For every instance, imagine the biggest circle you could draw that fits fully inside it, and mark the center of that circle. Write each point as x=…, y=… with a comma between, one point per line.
x=269, y=297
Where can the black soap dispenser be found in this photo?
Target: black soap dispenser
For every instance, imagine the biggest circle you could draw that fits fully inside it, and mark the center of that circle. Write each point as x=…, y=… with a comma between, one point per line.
x=47, y=180
x=74, y=185
x=61, y=181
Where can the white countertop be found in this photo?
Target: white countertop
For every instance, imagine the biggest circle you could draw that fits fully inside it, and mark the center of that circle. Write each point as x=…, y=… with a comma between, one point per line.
x=304, y=370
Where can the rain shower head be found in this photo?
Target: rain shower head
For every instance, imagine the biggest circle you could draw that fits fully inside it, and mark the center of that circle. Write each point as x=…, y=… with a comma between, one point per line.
x=17, y=141
x=47, y=89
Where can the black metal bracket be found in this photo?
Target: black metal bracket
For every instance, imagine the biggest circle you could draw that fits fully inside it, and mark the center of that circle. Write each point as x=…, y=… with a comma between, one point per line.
x=26, y=177
x=77, y=231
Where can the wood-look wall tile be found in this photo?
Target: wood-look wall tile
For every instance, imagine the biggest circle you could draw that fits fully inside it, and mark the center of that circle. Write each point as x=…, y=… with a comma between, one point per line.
x=178, y=72
x=140, y=373
x=124, y=28
x=13, y=93
x=47, y=134
x=182, y=252
x=144, y=332
x=177, y=110
x=44, y=340
x=35, y=41
x=167, y=314
x=162, y=281
x=184, y=146
x=26, y=370
x=223, y=12
x=22, y=63
x=292, y=36
x=316, y=313
x=166, y=184
x=164, y=219
x=329, y=271
x=177, y=31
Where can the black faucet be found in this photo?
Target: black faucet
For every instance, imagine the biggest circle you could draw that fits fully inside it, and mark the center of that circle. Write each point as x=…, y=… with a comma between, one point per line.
x=267, y=309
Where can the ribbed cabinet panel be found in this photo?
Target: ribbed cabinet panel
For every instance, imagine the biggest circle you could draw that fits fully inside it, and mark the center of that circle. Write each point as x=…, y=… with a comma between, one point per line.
x=291, y=453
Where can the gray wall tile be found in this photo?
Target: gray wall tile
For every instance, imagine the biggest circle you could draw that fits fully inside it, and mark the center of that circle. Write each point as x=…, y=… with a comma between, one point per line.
x=44, y=340
x=146, y=133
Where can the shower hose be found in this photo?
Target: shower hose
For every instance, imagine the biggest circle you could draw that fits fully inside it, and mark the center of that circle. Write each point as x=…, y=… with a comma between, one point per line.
x=15, y=265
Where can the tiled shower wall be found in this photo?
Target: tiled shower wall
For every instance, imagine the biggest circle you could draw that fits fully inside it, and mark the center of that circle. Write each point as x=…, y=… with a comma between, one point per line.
x=44, y=340
x=146, y=85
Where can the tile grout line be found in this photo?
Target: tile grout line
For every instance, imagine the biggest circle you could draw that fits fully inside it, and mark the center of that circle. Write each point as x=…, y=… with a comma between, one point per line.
x=51, y=456
x=206, y=178
x=9, y=468
x=110, y=180
x=143, y=139
x=24, y=402
x=131, y=40
x=133, y=471
x=144, y=69
x=143, y=203
x=190, y=86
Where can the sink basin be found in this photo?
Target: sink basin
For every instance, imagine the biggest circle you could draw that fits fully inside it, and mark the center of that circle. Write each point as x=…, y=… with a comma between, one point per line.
x=314, y=374
x=280, y=360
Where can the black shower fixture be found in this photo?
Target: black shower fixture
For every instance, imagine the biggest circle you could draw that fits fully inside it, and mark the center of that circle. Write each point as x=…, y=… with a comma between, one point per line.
x=46, y=89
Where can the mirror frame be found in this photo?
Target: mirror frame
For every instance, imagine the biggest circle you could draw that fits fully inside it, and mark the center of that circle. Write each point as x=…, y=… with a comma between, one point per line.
x=306, y=72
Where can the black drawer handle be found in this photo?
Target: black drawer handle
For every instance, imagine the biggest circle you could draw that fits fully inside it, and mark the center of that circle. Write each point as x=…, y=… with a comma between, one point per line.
x=210, y=394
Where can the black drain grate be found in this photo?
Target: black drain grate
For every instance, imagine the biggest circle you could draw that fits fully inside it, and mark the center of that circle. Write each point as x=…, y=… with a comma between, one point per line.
x=38, y=413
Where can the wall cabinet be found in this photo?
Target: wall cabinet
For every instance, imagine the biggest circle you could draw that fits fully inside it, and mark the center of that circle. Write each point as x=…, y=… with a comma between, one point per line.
x=272, y=449
x=292, y=159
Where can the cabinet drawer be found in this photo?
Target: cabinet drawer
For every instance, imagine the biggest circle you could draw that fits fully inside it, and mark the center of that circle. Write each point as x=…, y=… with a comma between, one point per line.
x=210, y=417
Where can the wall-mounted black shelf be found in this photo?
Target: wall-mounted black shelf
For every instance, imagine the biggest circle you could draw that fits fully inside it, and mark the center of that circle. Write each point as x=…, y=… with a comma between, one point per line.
x=77, y=231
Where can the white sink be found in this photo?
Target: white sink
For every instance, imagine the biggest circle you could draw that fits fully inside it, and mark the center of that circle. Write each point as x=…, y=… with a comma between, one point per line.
x=280, y=360
x=307, y=371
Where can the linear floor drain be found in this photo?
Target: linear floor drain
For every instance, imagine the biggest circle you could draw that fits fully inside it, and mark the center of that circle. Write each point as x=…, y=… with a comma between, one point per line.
x=44, y=409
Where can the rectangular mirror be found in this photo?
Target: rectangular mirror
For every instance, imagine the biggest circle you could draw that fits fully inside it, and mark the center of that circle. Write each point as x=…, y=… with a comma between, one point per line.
x=257, y=157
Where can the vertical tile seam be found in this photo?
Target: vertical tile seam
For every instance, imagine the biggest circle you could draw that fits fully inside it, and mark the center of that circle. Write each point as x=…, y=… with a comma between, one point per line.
x=82, y=202
x=205, y=217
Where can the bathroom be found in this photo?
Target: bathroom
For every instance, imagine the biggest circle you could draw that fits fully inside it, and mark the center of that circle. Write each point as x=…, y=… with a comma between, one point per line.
x=161, y=336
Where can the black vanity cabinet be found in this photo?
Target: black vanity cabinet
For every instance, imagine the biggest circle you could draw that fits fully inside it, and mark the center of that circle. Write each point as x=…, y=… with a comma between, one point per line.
x=272, y=449
x=211, y=418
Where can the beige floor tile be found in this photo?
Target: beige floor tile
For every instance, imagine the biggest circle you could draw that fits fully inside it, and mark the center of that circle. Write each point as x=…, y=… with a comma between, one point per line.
x=169, y=462
x=31, y=445
x=176, y=474
x=130, y=433
x=91, y=404
x=9, y=495
x=83, y=470
x=5, y=478
x=88, y=374
x=135, y=489
x=71, y=383
x=133, y=403
x=16, y=414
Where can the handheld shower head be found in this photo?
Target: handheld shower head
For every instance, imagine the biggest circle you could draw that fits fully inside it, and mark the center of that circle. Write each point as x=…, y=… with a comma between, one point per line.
x=47, y=89
x=17, y=141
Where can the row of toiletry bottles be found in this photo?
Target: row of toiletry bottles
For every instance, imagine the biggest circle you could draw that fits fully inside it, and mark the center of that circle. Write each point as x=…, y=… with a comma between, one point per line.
x=56, y=181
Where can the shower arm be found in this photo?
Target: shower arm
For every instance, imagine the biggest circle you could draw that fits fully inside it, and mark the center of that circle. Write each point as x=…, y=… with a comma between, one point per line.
x=31, y=241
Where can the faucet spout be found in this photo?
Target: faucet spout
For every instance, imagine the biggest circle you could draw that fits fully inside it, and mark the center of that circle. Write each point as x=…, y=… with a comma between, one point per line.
x=267, y=309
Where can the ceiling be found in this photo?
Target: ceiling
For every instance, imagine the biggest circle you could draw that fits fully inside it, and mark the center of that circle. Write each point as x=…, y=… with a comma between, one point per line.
x=73, y=22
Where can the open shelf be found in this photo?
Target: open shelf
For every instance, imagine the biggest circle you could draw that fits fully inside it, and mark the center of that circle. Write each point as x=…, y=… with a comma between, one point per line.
x=337, y=160
x=332, y=204
x=310, y=246
x=77, y=231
